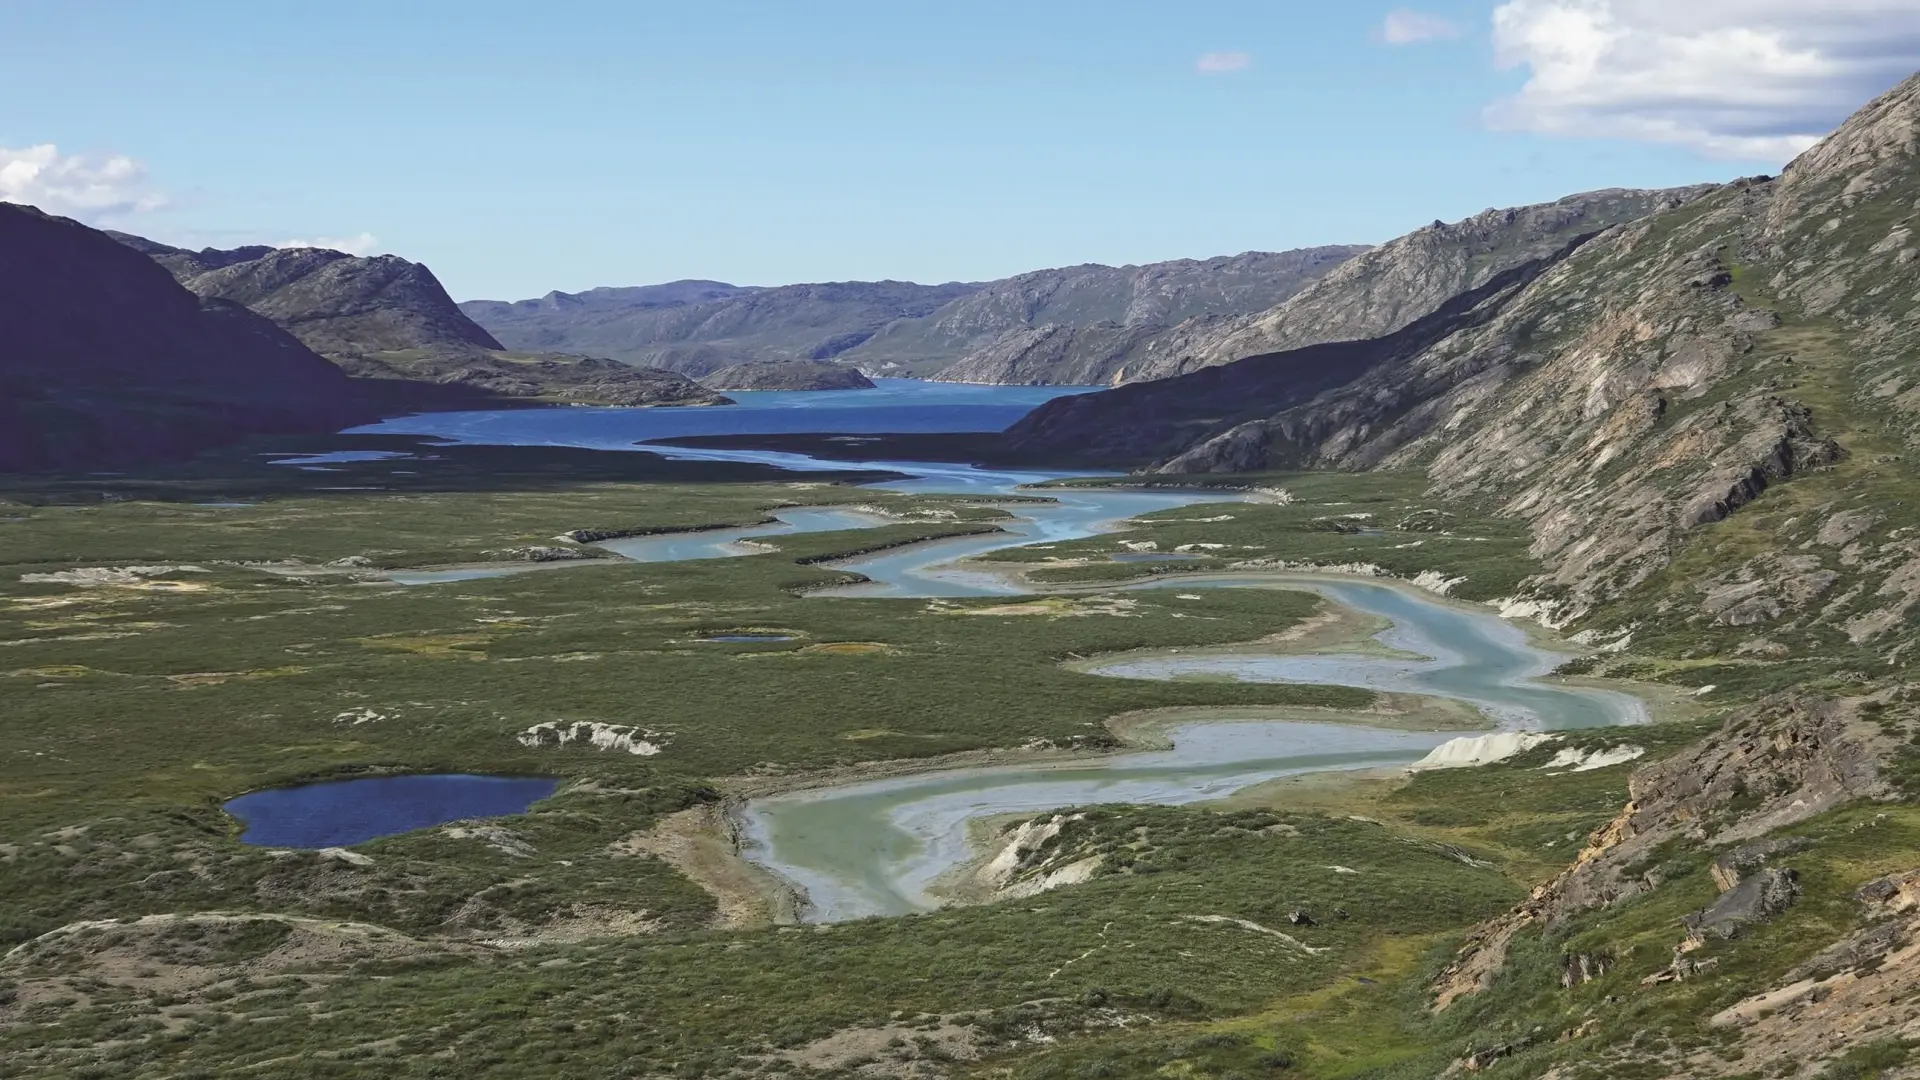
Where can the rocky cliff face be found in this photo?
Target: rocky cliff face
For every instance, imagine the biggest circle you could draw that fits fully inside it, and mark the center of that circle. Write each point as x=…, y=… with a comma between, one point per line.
x=1078, y=325
x=1390, y=286
x=105, y=358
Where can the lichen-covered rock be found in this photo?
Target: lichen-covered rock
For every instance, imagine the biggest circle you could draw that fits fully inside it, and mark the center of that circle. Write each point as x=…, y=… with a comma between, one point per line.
x=1755, y=899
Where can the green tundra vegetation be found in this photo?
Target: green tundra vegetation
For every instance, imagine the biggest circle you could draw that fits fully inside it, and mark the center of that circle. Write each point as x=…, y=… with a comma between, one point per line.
x=157, y=657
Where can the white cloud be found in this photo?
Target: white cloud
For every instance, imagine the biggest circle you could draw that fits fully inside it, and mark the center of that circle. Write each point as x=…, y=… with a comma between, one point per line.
x=1220, y=63
x=358, y=244
x=1748, y=79
x=1404, y=27
x=75, y=185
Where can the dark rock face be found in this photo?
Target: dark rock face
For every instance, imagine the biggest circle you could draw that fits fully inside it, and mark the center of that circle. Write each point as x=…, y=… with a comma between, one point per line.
x=105, y=358
x=788, y=375
x=1219, y=419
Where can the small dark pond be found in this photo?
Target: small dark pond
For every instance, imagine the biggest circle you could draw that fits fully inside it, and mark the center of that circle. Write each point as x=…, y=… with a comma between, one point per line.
x=340, y=813
x=1152, y=556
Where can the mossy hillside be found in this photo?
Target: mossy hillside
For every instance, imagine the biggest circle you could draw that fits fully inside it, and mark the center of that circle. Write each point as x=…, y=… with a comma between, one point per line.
x=1188, y=932
x=1376, y=1024
x=1813, y=643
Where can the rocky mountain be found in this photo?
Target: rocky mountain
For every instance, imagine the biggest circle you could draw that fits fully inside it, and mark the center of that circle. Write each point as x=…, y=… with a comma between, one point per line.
x=1627, y=393
x=386, y=317
x=1397, y=283
x=1051, y=326
x=339, y=304
x=788, y=375
x=700, y=327
x=1708, y=418
x=1079, y=324
x=105, y=358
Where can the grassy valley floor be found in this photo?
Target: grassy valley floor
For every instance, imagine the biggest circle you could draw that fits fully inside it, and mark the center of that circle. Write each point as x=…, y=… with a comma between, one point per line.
x=153, y=664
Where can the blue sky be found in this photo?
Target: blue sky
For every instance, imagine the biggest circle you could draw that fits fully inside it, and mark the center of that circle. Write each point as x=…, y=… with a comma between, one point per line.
x=518, y=148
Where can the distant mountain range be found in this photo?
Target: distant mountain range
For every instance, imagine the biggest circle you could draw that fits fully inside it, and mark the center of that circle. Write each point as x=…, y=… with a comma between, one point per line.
x=698, y=327
x=1077, y=325
x=1093, y=315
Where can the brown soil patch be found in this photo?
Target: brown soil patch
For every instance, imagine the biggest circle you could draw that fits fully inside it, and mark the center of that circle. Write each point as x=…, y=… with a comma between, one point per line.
x=701, y=844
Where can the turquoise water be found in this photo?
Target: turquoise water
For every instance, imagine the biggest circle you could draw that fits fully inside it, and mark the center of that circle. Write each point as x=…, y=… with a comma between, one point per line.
x=1473, y=656
x=724, y=543
x=875, y=848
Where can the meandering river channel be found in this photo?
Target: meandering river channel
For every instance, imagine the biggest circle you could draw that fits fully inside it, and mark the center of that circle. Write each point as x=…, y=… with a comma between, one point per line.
x=877, y=847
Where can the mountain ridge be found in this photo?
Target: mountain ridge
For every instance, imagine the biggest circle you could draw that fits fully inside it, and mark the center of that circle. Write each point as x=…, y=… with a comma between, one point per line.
x=386, y=317
x=887, y=327
x=1580, y=401
x=109, y=359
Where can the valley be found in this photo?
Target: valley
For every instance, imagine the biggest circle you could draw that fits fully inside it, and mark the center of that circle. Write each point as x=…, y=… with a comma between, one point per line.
x=1482, y=652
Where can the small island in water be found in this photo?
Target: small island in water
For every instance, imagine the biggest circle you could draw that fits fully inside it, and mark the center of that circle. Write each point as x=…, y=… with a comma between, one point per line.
x=788, y=375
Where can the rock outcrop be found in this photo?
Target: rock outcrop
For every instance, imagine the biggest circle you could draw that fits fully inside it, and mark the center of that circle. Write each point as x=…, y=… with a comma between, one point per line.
x=1782, y=763
x=104, y=358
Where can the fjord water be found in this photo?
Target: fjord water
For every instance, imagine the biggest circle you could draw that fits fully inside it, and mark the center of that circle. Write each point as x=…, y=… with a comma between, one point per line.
x=876, y=848
x=338, y=813
x=894, y=405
